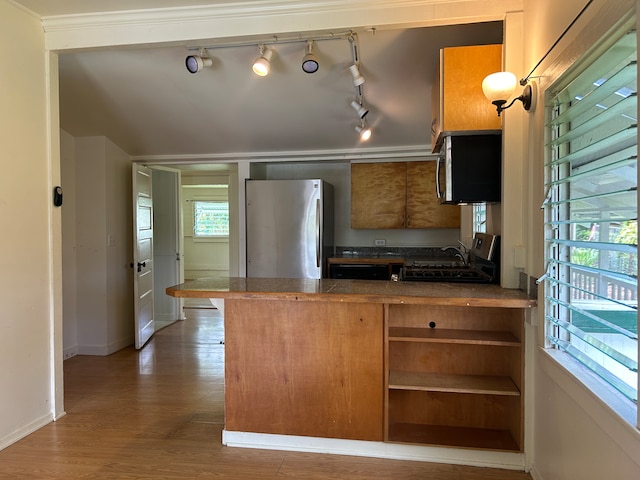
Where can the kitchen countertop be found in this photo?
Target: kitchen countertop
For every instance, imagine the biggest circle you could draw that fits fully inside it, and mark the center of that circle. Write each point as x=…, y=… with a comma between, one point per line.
x=354, y=291
x=367, y=259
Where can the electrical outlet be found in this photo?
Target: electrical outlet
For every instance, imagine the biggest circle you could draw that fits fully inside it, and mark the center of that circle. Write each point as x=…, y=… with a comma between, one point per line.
x=380, y=242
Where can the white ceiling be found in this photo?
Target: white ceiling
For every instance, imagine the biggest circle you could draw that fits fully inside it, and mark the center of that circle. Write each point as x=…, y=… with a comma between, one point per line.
x=145, y=100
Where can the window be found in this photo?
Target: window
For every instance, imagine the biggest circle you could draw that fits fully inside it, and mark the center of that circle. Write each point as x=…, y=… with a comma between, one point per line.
x=591, y=217
x=210, y=219
x=480, y=217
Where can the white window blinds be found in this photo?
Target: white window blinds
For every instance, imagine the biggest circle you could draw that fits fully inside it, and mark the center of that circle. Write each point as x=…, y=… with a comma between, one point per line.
x=591, y=217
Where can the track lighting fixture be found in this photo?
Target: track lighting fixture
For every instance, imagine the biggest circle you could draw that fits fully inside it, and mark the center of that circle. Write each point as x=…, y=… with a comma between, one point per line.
x=358, y=79
x=199, y=59
x=364, y=131
x=195, y=63
x=262, y=65
x=310, y=62
x=360, y=109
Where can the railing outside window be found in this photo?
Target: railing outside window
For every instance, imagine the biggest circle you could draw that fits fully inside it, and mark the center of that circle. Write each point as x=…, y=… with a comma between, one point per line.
x=591, y=295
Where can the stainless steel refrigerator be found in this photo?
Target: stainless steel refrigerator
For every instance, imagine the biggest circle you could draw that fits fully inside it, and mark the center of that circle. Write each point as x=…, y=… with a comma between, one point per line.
x=289, y=228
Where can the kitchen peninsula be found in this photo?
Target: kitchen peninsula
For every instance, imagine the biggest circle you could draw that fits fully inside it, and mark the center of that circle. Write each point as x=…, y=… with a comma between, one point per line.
x=390, y=366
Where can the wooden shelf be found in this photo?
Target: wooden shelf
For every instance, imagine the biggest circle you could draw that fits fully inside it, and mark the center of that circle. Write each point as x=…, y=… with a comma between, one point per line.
x=487, y=439
x=441, y=335
x=459, y=383
x=435, y=382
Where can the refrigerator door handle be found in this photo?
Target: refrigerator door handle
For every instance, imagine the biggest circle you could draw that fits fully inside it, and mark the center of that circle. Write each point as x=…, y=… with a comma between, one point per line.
x=438, y=192
x=318, y=233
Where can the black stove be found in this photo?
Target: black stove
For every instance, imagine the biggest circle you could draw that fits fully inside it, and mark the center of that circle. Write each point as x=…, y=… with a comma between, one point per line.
x=481, y=267
x=463, y=274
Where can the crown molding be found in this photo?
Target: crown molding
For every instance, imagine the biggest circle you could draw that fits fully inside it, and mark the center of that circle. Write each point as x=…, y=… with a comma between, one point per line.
x=233, y=9
x=171, y=25
x=338, y=155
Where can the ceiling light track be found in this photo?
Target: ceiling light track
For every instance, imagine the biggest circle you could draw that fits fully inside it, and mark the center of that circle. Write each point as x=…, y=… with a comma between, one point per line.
x=275, y=40
x=310, y=63
x=358, y=81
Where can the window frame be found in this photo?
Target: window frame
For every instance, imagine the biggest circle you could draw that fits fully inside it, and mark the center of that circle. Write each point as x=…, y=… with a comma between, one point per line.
x=620, y=404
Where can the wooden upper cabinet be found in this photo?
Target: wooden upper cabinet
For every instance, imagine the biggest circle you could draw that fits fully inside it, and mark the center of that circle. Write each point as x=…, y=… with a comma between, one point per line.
x=423, y=207
x=398, y=195
x=378, y=195
x=457, y=100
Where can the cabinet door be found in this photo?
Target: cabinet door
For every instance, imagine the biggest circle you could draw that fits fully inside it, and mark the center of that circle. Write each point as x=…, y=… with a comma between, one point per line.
x=378, y=193
x=423, y=207
x=464, y=106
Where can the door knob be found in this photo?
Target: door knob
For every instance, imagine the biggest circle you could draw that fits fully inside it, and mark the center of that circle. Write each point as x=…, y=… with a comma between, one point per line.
x=141, y=265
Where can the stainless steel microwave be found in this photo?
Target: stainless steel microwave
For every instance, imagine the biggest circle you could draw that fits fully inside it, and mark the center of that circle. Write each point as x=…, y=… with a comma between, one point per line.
x=469, y=168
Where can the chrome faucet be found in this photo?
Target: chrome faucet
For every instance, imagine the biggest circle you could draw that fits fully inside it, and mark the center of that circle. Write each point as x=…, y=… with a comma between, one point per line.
x=462, y=252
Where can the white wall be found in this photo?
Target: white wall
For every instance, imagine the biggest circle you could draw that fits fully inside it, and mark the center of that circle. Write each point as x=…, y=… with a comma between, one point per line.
x=91, y=248
x=103, y=246
x=575, y=435
x=119, y=228
x=29, y=223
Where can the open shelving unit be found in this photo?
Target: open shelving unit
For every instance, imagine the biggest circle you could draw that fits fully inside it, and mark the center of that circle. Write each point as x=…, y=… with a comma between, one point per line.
x=454, y=376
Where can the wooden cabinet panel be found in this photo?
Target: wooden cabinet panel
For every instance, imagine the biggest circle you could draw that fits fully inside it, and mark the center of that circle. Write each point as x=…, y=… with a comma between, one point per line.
x=423, y=207
x=458, y=102
x=304, y=368
x=378, y=193
x=398, y=195
x=455, y=376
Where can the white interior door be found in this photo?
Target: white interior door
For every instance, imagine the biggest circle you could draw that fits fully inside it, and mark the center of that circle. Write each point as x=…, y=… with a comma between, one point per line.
x=142, y=254
x=167, y=244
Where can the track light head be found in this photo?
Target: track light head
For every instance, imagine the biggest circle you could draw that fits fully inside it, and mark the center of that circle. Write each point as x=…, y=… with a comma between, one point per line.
x=310, y=63
x=195, y=63
x=358, y=79
x=262, y=65
x=364, y=131
x=360, y=109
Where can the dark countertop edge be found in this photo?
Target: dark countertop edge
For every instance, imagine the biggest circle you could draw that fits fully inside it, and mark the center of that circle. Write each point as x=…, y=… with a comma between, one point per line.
x=427, y=293
x=366, y=259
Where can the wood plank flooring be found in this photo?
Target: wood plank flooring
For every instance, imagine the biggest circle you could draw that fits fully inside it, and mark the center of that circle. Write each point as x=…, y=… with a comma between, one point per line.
x=158, y=414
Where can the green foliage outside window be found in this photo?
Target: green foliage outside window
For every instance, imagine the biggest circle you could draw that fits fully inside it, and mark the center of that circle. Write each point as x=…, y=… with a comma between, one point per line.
x=210, y=219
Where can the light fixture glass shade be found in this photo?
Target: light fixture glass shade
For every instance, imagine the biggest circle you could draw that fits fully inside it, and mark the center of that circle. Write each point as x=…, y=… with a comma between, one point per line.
x=358, y=79
x=195, y=63
x=310, y=63
x=360, y=109
x=364, y=131
x=262, y=65
x=499, y=86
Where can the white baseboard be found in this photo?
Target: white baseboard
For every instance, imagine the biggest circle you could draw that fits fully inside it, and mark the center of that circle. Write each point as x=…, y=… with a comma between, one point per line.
x=70, y=352
x=24, y=431
x=103, y=350
x=535, y=474
x=457, y=456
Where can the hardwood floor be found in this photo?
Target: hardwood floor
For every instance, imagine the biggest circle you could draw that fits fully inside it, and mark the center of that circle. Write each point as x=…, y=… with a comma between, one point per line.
x=158, y=414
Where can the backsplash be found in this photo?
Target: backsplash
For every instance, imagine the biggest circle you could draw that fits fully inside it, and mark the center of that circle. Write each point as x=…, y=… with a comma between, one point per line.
x=404, y=252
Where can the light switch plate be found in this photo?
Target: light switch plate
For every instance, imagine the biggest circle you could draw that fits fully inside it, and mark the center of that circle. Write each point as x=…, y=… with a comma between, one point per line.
x=380, y=242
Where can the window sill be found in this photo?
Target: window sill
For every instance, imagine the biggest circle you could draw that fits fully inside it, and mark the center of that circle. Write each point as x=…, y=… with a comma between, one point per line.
x=614, y=413
x=211, y=239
